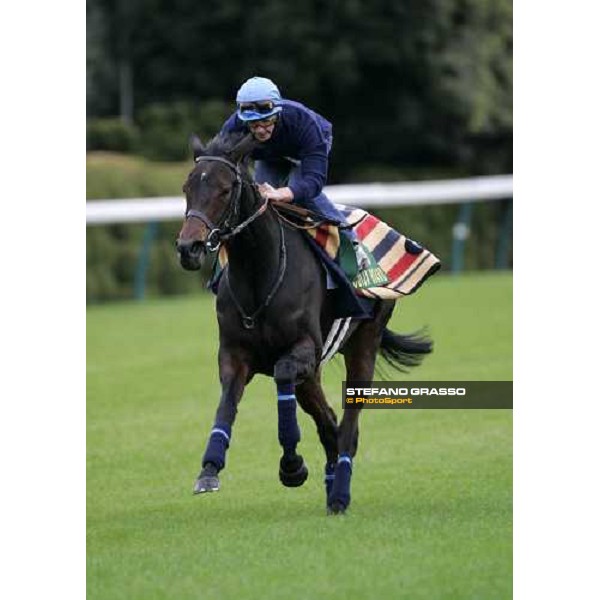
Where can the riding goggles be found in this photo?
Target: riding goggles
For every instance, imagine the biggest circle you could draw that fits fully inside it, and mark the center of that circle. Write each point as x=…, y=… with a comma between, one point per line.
x=257, y=111
x=260, y=107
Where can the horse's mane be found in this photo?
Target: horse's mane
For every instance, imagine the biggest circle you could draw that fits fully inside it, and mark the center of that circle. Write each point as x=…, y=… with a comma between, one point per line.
x=220, y=145
x=224, y=142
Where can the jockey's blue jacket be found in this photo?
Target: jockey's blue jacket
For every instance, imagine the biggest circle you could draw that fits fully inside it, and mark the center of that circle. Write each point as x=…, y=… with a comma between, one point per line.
x=299, y=134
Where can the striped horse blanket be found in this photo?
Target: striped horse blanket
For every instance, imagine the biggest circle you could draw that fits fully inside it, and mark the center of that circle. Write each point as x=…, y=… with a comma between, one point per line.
x=398, y=265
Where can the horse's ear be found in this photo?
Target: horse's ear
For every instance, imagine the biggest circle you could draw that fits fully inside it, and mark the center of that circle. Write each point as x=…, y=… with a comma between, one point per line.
x=243, y=148
x=196, y=146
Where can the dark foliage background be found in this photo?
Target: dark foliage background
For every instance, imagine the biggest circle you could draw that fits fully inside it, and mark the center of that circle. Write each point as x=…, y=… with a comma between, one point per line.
x=415, y=88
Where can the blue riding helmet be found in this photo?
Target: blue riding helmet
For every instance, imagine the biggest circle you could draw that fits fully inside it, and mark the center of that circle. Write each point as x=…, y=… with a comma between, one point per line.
x=257, y=99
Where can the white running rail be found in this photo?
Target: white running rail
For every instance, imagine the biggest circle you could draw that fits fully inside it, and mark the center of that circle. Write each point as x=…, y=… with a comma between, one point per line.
x=472, y=189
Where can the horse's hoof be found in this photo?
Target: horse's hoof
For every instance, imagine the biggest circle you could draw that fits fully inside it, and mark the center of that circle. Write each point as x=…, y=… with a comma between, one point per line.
x=206, y=484
x=336, y=508
x=208, y=480
x=292, y=472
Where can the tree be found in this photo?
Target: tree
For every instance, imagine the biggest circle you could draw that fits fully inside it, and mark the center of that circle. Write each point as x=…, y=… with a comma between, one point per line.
x=412, y=83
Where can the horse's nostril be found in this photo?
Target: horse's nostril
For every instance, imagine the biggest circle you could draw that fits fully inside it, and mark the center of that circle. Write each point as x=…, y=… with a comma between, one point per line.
x=182, y=247
x=189, y=248
x=184, y=244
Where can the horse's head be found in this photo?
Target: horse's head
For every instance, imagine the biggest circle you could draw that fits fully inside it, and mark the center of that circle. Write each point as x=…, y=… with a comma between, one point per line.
x=212, y=192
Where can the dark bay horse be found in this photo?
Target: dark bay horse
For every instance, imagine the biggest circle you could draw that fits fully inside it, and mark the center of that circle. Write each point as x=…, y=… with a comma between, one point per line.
x=274, y=313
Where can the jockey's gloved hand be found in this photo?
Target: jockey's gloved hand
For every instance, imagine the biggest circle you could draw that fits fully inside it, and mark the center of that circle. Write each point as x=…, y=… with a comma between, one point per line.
x=265, y=189
x=268, y=192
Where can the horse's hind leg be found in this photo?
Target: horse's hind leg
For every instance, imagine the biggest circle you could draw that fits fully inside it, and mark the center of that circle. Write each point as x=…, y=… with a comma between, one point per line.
x=294, y=366
x=360, y=353
x=234, y=373
x=312, y=400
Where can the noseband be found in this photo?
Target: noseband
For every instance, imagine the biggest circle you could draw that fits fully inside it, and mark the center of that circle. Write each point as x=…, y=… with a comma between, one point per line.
x=223, y=230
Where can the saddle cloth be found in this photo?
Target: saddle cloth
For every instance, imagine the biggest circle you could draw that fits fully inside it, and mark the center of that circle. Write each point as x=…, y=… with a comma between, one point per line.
x=398, y=265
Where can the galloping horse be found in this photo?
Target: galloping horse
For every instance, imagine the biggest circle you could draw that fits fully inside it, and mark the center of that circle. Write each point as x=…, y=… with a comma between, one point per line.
x=274, y=313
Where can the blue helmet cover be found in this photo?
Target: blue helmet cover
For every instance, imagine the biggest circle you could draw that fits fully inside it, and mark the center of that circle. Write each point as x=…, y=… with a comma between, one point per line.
x=257, y=89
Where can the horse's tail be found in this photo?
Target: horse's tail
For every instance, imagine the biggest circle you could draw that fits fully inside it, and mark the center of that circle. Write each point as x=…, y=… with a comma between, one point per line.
x=402, y=351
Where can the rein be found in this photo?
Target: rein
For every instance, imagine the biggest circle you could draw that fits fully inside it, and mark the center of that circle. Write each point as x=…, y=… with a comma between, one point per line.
x=311, y=219
x=249, y=321
x=297, y=212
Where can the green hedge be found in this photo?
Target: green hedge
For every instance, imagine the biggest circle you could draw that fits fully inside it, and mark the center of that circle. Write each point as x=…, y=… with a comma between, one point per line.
x=166, y=128
x=111, y=175
x=113, y=251
x=112, y=135
x=112, y=256
x=161, y=131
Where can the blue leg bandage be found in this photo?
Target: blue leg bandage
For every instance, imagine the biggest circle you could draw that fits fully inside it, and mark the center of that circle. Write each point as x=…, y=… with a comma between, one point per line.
x=329, y=477
x=341, y=485
x=289, y=432
x=218, y=443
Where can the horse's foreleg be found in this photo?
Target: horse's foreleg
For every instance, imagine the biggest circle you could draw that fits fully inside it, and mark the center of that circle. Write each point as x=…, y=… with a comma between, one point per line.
x=233, y=372
x=294, y=366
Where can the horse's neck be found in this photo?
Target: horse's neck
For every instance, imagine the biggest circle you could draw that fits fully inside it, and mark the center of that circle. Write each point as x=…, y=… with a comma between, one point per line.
x=254, y=252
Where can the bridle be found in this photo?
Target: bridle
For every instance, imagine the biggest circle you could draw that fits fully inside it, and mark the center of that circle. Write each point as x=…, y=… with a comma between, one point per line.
x=223, y=230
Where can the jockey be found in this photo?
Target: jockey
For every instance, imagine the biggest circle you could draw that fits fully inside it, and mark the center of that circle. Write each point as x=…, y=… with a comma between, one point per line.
x=295, y=142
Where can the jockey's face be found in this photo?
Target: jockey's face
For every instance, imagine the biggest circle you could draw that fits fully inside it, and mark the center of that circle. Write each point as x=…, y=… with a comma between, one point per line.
x=262, y=130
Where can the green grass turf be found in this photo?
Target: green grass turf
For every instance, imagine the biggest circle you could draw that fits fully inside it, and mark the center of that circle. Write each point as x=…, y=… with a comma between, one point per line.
x=431, y=513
